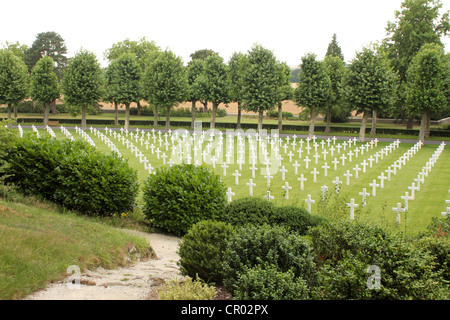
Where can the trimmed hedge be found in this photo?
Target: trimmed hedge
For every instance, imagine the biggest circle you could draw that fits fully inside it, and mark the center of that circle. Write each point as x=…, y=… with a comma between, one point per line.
x=72, y=174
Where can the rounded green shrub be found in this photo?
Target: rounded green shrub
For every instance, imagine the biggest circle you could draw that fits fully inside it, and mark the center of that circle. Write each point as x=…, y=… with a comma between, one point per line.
x=201, y=250
x=295, y=218
x=249, y=210
x=254, y=245
x=177, y=197
x=266, y=282
x=72, y=174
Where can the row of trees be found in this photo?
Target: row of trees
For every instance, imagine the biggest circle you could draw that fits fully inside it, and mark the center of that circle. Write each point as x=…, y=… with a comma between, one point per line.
x=407, y=74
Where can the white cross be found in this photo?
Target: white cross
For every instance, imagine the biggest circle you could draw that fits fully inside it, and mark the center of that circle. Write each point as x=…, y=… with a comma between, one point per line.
x=224, y=166
x=356, y=169
x=307, y=160
x=343, y=158
x=382, y=178
x=268, y=177
x=337, y=183
x=374, y=186
x=335, y=162
x=413, y=188
x=364, y=195
x=290, y=154
x=406, y=198
x=347, y=176
x=283, y=171
x=286, y=188
x=352, y=206
x=229, y=194
x=250, y=185
x=316, y=156
x=389, y=171
x=296, y=165
x=268, y=196
x=324, y=190
x=236, y=175
x=364, y=164
x=302, y=180
x=324, y=152
x=309, y=201
x=325, y=167
x=315, y=173
x=398, y=209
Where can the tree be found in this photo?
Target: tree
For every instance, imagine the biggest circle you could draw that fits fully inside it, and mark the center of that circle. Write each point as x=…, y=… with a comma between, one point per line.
x=14, y=80
x=48, y=44
x=17, y=48
x=335, y=69
x=237, y=65
x=124, y=77
x=217, y=82
x=44, y=84
x=286, y=91
x=334, y=49
x=202, y=54
x=82, y=83
x=371, y=84
x=110, y=90
x=196, y=93
x=262, y=82
x=314, y=87
x=428, y=79
x=144, y=51
x=417, y=23
x=165, y=82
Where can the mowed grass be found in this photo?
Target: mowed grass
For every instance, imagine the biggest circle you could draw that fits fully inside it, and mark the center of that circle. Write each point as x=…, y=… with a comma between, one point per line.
x=39, y=243
x=429, y=202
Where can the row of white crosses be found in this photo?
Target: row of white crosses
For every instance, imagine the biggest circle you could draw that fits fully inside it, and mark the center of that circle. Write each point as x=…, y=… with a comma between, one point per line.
x=50, y=132
x=67, y=133
x=20, y=130
x=85, y=136
x=415, y=186
x=35, y=130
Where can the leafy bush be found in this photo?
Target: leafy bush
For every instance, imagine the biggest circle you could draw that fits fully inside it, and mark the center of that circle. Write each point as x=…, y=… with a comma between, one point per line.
x=187, y=289
x=72, y=174
x=266, y=282
x=284, y=114
x=177, y=197
x=254, y=245
x=202, y=248
x=344, y=250
x=260, y=211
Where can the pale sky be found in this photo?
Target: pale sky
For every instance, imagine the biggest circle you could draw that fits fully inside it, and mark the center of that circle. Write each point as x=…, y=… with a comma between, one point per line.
x=287, y=27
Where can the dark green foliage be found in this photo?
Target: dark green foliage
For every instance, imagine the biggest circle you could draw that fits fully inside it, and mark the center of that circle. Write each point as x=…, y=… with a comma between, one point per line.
x=268, y=283
x=259, y=211
x=72, y=174
x=202, y=248
x=177, y=197
x=273, y=245
x=344, y=250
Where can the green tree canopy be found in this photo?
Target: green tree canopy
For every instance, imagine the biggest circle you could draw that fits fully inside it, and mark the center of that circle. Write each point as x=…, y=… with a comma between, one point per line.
x=14, y=79
x=166, y=83
x=237, y=64
x=216, y=80
x=262, y=82
x=44, y=84
x=428, y=80
x=371, y=84
x=82, y=83
x=314, y=87
x=334, y=49
x=48, y=44
x=202, y=54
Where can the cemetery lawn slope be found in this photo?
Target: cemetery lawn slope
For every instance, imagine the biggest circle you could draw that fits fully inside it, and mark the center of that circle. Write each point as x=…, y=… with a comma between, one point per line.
x=38, y=244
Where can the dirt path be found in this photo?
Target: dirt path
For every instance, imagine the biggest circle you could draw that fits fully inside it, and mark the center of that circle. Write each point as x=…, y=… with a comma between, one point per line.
x=137, y=282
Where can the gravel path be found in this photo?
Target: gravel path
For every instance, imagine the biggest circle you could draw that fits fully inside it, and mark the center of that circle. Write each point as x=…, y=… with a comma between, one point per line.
x=136, y=282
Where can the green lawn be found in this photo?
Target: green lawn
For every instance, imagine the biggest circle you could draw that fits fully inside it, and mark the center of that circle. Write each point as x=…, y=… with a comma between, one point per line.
x=429, y=201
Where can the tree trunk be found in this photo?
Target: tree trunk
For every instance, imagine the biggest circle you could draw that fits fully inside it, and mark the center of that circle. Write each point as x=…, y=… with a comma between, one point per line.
x=423, y=125
x=410, y=123
x=127, y=116
x=155, y=115
x=9, y=111
x=46, y=112
x=205, y=106
x=193, y=115
x=213, y=115
x=312, y=122
x=83, y=117
x=280, y=118
x=328, y=127
x=139, y=108
x=54, y=107
x=116, y=114
x=238, y=124
x=260, y=120
x=168, y=119
x=15, y=112
x=362, y=130
x=373, y=130
x=427, y=129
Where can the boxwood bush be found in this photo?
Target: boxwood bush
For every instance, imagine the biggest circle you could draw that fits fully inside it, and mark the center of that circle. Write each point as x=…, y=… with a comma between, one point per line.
x=202, y=248
x=74, y=175
x=177, y=197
